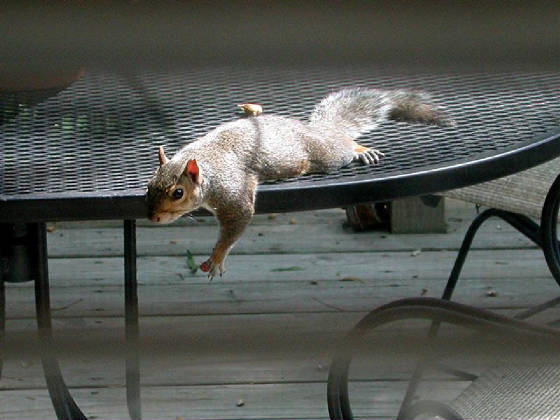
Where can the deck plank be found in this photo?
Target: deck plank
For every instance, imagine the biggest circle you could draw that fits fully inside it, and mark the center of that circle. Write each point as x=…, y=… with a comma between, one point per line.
x=274, y=401
x=324, y=231
x=210, y=350
x=378, y=267
x=290, y=297
x=277, y=239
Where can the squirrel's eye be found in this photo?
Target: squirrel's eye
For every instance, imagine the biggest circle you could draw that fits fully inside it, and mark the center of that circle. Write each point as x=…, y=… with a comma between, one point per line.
x=177, y=193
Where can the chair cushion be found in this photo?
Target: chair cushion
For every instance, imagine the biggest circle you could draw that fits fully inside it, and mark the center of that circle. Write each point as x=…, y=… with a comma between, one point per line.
x=512, y=392
x=522, y=193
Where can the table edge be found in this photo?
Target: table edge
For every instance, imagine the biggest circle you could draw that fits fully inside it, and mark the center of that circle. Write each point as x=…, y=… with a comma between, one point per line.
x=295, y=196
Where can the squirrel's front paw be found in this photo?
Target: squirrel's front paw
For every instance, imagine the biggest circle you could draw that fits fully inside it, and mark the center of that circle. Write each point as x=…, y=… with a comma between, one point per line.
x=369, y=157
x=212, y=268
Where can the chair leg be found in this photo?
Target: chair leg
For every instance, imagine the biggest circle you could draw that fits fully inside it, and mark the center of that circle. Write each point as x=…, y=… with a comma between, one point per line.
x=64, y=405
x=447, y=293
x=131, y=322
x=463, y=251
x=522, y=223
x=549, y=220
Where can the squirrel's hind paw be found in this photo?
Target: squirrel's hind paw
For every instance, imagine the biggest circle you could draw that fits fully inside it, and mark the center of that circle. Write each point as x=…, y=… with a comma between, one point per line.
x=212, y=269
x=369, y=157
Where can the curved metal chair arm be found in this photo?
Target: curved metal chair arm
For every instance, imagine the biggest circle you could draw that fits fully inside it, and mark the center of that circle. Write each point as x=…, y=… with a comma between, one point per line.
x=549, y=219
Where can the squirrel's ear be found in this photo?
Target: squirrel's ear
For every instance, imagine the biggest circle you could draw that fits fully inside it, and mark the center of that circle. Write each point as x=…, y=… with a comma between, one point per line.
x=162, y=158
x=192, y=171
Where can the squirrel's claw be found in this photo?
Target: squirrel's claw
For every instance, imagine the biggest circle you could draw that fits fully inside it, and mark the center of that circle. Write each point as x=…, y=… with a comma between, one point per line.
x=365, y=159
x=376, y=154
x=369, y=157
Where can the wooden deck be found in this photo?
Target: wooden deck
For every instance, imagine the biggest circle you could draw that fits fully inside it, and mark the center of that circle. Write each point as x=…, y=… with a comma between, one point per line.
x=257, y=342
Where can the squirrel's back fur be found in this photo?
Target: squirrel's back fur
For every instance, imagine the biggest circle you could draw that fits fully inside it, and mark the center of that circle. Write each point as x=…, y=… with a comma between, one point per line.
x=269, y=146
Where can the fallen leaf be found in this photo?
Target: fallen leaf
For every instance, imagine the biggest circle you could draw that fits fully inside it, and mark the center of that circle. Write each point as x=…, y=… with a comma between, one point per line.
x=51, y=228
x=272, y=216
x=193, y=267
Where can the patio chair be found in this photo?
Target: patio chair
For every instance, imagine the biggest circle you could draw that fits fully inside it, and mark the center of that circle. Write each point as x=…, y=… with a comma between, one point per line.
x=517, y=199
x=518, y=379
x=506, y=390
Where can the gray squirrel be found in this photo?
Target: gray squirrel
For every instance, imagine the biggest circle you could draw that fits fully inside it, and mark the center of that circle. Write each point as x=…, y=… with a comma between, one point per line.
x=220, y=171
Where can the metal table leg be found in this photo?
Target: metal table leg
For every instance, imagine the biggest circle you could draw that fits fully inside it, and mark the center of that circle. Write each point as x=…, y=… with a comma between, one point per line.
x=32, y=263
x=131, y=321
x=64, y=405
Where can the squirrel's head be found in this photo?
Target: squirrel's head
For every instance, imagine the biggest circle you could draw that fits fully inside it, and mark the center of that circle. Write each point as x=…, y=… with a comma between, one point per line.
x=174, y=190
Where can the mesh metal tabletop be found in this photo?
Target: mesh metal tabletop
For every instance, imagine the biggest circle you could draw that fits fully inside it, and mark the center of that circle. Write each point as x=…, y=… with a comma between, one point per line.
x=88, y=151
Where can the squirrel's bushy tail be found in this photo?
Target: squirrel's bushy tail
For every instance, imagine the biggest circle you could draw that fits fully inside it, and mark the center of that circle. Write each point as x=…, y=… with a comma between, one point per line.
x=356, y=111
